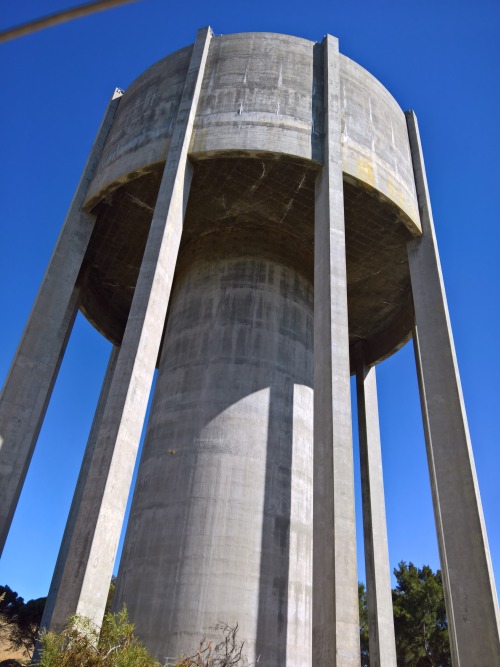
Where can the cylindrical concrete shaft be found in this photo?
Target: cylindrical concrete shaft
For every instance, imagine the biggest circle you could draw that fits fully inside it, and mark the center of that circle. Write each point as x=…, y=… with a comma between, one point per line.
x=220, y=526
x=469, y=586
x=28, y=387
x=335, y=581
x=378, y=575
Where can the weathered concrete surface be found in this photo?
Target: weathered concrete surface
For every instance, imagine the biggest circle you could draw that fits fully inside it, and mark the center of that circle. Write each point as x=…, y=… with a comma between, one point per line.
x=220, y=526
x=335, y=582
x=144, y=126
x=259, y=97
x=470, y=595
x=55, y=613
x=28, y=387
x=375, y=146
x=378, y=576
x=96, y=530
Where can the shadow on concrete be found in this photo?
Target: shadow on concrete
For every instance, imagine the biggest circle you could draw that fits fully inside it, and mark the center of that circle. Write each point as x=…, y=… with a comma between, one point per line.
x=272, y=619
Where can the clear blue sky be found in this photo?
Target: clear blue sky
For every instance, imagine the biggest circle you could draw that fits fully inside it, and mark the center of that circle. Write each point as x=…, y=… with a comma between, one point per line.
x=439, y=58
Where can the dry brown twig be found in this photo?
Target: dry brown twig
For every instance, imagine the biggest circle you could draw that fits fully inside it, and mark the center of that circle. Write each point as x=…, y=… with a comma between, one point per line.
x=227, y=653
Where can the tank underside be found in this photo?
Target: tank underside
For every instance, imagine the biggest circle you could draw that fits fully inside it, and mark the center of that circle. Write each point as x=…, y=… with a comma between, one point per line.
x=265, y=203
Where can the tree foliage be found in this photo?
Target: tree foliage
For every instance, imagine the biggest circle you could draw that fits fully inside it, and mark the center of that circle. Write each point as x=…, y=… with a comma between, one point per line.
x=22, y=618
x=420, y=617
x=420, y=623
x=363, y=626
x=111, y=594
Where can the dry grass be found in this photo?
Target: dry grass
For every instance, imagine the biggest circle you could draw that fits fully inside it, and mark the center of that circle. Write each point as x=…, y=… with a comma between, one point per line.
x=5, y=653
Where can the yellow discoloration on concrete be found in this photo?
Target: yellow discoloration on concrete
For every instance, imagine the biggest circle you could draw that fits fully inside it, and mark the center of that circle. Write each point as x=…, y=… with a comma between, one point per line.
x=365, y=171
x=400, y=197
x=397, y=194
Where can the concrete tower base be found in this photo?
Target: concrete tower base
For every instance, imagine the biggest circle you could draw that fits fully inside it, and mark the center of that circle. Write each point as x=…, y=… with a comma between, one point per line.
x=220, y=526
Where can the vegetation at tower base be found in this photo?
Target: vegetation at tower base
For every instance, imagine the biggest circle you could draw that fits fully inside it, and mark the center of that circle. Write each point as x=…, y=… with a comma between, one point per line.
x=20, y=619
x=227, y=653
x=420, y=622
x=81, y=644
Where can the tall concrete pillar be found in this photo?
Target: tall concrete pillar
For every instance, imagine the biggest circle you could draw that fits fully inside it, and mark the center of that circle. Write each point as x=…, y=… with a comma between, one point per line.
x=470, y=595
x=28, y=387
x=378, y=576
x=96, y=531
x=335, y=583
x=55, y=613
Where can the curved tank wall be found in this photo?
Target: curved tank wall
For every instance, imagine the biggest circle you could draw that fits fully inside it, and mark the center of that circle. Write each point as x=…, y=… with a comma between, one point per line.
x=143, y=126
x=262, y=93
x=375, y=146
x=257, y=96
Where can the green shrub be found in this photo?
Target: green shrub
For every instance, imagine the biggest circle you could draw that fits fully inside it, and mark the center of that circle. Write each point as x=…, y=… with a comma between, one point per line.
x=81, y=644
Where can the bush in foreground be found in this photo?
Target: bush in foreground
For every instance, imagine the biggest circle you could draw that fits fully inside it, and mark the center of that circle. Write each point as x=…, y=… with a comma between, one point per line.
x=81, y=644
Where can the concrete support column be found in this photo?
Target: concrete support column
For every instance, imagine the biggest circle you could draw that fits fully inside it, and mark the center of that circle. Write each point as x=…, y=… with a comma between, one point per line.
x=54, y=614
x=378, y=576
x=28, y=387
x=84, y=584
x=470, y=595
x=335, y=582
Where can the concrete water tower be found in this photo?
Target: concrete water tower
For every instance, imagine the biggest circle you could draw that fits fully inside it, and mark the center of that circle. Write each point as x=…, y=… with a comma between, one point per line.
x=254, y=220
